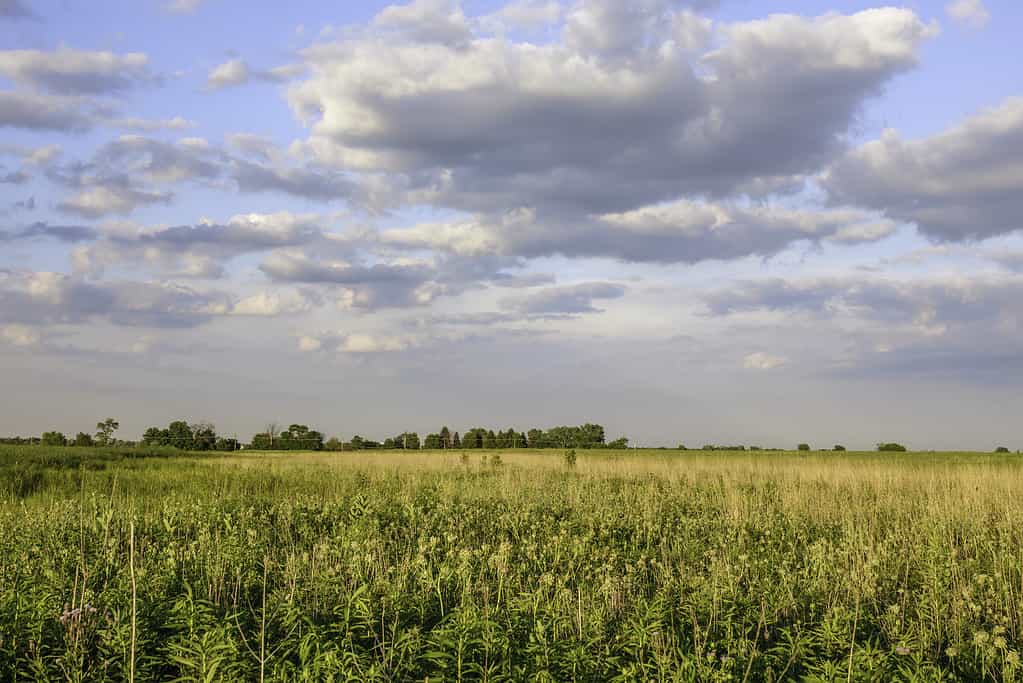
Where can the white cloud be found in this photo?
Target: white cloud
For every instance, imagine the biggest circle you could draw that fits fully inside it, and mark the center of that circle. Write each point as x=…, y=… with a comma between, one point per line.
x=761, y=360
x=270, y=304
x=20, y=335
x=67, y=71
x=102, y=201
x=235, y=72
x=440, y=21
x=523, y=14
x=358, y=343
x=960, y=184
x=972, y=13
x=232, y=72
x=133, y=123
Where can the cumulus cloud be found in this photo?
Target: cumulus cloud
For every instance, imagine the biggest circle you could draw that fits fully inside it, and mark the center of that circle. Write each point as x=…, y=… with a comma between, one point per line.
x=232, y=72
x=676, y=232
x=969, y=12
x=67, y=71
x=32, y=156
x=570, y=299
x=272, y=304
x=40, y=230
x=930, y=305
x=523, y=15
x=149, y=125
x=197, y=251
x=427, y=21
x=963, y=327
x=45, y=298
x=133, y=170
x=236, y=71
x=612, y=29
x=44, y=112
x=960, y=184
x=309, y=183
x=395, y=284
x=358, y=343
x=552, y=128
x=111, y=199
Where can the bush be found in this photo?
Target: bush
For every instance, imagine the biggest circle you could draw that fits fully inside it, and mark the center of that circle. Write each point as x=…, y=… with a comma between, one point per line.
x=891, y=448
x=23, y=480
x=839, y=447
x=569, y=457
x=803, y=447
x=1002, y=449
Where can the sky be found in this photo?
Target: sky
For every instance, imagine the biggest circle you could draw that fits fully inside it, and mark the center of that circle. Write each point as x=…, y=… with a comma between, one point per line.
x=690, y=221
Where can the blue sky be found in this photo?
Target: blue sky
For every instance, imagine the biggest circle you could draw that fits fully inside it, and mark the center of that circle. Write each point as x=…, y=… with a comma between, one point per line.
x=697, y=221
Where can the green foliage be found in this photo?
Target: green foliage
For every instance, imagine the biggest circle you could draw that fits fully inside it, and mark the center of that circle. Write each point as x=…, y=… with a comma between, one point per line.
x=105, y=431
x=83, y=440
x=839, y=447
x=803, y=447
x=891, y=448
x=569, y=457
x=409, y=567
x=1000, y=449
x=53, y=439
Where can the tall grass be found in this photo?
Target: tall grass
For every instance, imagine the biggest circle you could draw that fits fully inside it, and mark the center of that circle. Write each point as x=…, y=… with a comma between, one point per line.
x=622, y=566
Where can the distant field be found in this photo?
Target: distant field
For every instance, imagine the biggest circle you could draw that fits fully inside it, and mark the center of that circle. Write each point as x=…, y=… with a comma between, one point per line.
x=510, y=566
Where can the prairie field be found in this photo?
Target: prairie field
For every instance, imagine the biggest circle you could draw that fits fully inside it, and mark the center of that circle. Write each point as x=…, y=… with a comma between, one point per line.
x=509, y=566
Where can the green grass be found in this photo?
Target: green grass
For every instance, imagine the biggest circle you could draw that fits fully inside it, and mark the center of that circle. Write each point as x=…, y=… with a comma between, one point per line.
x=632, y=566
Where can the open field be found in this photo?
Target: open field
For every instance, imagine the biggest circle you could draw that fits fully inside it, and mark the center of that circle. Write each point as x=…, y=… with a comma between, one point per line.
x=635, y=565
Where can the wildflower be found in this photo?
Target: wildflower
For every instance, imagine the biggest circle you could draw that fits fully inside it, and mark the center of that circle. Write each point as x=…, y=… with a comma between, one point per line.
x=1012, y=659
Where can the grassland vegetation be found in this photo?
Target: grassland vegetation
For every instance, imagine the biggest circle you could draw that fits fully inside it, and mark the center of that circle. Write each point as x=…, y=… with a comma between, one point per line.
x=509, y=566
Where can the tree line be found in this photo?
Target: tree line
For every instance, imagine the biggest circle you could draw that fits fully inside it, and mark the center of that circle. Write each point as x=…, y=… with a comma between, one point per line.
x=299, y=437
x=203, y=436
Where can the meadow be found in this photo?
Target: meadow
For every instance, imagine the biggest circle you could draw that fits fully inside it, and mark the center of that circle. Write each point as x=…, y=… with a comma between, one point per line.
x=509, y=566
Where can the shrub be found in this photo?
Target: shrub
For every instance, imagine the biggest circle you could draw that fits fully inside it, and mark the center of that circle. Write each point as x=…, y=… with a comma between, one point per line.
x=24, y=479
x=891, y=448
x=839, y=447
x=1002, y=449
x=569, y=457
x=803, y=447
